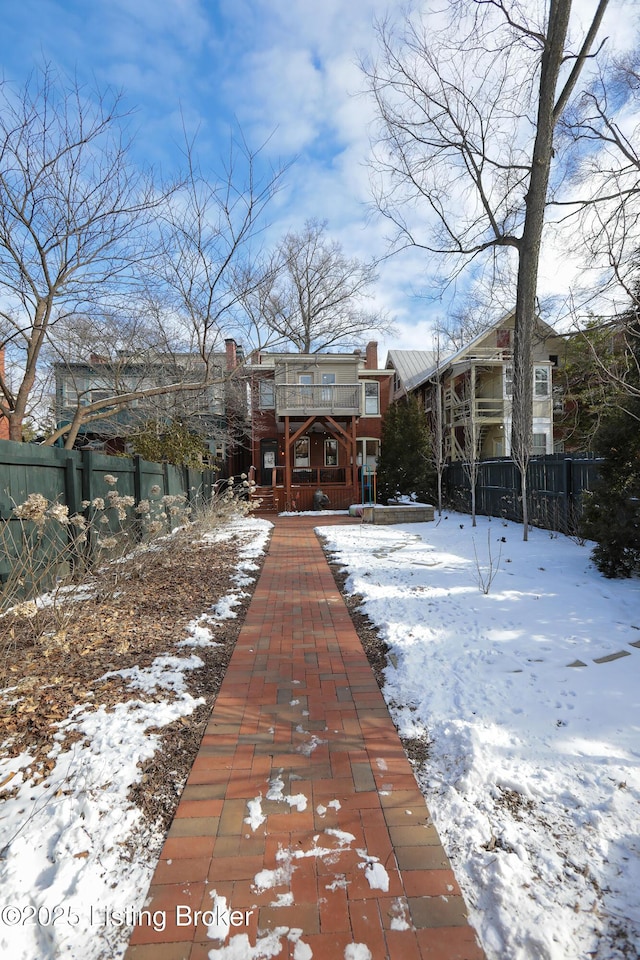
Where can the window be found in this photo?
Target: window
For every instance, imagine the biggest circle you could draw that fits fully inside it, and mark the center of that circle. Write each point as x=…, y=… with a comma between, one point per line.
x=541, y=382
x=301, y=452
x=371, y=399
x=539, y=447
x=306, y=380
x=368, y=452
x=267, y=397
x=328, y=380
x=331, y=453
x=508, y=381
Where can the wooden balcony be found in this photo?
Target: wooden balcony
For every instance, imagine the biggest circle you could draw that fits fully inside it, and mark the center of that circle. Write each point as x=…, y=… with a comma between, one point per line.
x=307, y=400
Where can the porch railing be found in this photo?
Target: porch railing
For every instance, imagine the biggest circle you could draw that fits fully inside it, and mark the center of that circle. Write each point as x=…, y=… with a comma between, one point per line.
x=305, y=476
x=299, y=399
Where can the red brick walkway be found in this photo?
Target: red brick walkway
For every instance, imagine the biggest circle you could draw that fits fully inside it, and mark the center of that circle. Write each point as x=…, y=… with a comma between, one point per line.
x=301, y=814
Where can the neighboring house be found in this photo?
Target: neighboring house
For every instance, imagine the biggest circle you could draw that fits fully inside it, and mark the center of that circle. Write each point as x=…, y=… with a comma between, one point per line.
x=207, y=409
x=475, y=386
x=4, y=423
x=316, y=423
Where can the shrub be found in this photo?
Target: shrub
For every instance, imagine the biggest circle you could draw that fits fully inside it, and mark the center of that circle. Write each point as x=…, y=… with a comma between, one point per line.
x=612, y=510
x=406, y=466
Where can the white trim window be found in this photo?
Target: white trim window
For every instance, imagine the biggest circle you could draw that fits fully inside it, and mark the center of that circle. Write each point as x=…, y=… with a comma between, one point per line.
x=368, y=450
x=331, y=453
x=508, y=380
x=371, y=398
x=306, y=382
x=328, y=381
x=539, y=445
x=267, y=394
x=541, y=382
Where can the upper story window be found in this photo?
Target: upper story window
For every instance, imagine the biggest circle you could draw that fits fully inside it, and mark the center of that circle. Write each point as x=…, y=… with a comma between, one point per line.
x=371, y=398
x=541, y=382
x=267, y=394
x=508, y=380
x=306, y=380
x=328, y=381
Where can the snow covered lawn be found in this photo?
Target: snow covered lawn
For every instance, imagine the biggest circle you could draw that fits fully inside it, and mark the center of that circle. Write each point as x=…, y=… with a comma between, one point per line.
x=520, y=664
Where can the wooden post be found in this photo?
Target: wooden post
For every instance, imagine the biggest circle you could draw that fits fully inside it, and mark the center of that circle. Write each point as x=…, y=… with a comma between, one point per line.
x=287, y=463
x=354, y=459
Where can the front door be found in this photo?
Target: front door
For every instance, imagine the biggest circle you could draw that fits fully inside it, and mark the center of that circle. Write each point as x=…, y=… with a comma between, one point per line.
x=268, y=460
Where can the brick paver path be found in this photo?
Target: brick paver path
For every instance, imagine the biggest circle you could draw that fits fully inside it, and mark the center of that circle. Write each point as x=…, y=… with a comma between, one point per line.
x=302, y=814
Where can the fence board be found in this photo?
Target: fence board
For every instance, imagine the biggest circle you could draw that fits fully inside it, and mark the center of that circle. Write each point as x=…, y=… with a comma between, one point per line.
x=71, y=476
x=555, y=483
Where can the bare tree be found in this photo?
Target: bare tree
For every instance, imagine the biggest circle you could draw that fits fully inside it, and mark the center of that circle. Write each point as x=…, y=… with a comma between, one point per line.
x=208, y=267
x=76, y=219
x=467, y=119
x=315, y=299
x=112, y=373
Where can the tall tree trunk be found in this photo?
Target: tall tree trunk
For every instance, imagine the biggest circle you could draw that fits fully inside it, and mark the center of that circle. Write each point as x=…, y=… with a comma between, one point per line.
x=529, y=245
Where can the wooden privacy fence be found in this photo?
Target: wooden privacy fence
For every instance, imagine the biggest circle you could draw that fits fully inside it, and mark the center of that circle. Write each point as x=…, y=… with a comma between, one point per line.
x=556, y=483
x=71, y=477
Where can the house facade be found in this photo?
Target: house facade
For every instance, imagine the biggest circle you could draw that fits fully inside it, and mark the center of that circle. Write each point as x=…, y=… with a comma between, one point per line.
x=472, y=389
x=101, y=378
x=316, y=424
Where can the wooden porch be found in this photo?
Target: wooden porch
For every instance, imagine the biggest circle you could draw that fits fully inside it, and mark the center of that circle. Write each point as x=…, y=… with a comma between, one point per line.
x=290, y=486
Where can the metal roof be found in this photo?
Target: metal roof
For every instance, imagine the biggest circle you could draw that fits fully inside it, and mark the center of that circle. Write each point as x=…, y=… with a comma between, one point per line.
x=412, y=366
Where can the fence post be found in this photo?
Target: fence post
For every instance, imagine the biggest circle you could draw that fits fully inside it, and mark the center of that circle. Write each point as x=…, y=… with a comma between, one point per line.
x=73, y=504
x=87, y=494
x=137, y=494
x=568, y=496
x=137, y=477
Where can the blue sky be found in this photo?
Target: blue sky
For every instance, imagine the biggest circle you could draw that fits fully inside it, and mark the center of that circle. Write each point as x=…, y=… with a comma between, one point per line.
x=286, y=71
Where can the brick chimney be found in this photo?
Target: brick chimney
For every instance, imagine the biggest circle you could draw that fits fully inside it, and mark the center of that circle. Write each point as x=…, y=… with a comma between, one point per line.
x=371, y=357
x=232, y=353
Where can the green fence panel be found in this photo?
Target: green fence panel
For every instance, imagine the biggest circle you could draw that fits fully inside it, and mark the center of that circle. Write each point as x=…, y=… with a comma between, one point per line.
x=556, y=483
x=73, y=478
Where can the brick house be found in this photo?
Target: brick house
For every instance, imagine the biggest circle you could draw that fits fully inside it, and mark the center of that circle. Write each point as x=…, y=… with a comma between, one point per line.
x=316, y=423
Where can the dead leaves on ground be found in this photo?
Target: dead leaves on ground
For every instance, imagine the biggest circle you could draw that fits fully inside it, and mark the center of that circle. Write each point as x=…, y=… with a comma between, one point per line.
x=142, y=612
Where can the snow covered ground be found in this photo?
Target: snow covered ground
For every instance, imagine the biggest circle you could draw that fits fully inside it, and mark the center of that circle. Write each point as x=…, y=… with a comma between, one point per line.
x=521, y=665
x=73, y=839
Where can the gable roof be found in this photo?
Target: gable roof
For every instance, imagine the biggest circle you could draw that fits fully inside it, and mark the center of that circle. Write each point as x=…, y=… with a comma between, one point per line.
x=421, y=365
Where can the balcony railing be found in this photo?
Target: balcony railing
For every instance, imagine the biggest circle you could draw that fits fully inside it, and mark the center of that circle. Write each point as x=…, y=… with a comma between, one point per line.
x=483, y=408
x=492, y=354
x=295, y=399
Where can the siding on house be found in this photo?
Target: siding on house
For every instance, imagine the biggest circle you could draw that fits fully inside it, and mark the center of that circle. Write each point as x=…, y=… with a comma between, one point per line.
x=475, y=384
